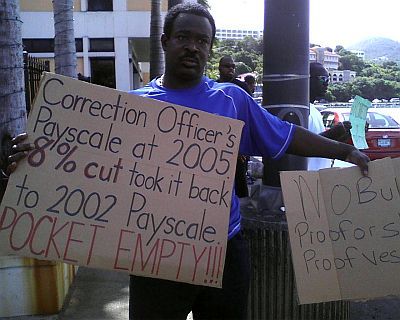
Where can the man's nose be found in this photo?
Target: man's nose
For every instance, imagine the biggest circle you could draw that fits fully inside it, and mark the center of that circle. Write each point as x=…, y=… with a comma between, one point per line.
x=191, y=45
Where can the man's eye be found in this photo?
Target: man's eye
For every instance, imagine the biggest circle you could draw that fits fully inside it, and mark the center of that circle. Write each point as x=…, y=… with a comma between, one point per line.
x=181, y=38
x=203, y=41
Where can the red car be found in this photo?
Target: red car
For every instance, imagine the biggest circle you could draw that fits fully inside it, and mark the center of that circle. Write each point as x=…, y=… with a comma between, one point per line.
x=383, y=133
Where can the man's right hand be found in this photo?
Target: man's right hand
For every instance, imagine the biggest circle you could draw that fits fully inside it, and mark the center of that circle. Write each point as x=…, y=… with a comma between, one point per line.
x=19, y=150
x=360, y=159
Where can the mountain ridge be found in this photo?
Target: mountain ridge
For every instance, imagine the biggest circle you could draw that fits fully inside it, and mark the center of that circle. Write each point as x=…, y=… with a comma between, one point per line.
x=379, y=49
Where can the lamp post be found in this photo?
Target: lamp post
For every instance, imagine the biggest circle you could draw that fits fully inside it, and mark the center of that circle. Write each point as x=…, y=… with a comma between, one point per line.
x=286, y=73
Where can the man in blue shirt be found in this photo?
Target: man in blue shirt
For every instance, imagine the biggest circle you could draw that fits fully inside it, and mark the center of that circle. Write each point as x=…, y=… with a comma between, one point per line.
x=189, y=32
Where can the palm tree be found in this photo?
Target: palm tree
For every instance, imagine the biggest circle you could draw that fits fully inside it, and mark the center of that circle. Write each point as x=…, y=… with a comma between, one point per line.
x=64, y=40
x=156, y=51
x=12, y=88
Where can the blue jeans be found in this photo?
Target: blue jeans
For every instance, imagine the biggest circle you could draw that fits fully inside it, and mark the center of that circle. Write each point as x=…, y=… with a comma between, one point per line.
x=151, y=298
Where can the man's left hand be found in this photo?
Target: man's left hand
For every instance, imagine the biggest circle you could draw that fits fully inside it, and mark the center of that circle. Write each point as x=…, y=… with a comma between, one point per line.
x=360, y=159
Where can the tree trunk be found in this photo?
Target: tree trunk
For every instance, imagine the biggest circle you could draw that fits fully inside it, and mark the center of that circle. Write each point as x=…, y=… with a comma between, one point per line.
x=12, y=87
x=64, y=39
x=156, y=51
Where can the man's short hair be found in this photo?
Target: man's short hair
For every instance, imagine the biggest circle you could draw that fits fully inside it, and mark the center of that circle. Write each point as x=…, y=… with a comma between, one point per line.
x=249, y=78
x=314, y=66
x=190, y=8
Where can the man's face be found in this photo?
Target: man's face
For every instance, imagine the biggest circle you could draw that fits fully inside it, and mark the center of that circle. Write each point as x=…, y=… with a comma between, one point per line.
x=226, y=69
x=187, y=48
x=319, y=80
x=251, y=85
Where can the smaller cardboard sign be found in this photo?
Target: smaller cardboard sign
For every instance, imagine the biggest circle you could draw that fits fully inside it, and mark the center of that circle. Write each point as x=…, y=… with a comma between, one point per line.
x=358, y=115
x=344, y=231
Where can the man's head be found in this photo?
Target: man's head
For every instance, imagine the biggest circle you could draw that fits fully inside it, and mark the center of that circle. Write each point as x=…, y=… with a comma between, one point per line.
x=251, y=82
x=226, y=69
x=319, y=80
x=189, y=32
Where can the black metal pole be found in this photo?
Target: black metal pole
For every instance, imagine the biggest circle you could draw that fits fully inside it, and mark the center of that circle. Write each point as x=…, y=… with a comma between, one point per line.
x=286, y=73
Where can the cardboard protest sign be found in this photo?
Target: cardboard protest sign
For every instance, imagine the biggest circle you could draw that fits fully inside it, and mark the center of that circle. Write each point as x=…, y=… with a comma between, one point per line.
x=358, y=115
x=344, y=231
x=122, y=182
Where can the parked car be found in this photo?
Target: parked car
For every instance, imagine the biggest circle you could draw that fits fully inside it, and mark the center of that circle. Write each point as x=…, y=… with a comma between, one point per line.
x=382, y=136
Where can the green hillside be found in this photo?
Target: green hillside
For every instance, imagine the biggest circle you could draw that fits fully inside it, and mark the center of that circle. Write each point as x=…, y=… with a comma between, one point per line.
x=379, y=49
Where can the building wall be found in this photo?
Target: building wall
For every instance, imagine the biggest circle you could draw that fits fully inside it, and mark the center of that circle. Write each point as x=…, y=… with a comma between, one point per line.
x=135, y=5
x=238, y=34
x=43, y=5
x=359, y=53
x=129, y=19
x=47, y=5
x=342, y=75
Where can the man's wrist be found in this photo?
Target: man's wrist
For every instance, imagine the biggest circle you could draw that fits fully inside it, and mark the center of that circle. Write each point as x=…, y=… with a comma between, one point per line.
x=347, y=150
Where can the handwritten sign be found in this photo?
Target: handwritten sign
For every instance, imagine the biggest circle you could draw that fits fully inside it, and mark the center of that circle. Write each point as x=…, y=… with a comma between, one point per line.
x=122, y=182
x=358, y=115
x=345, y=231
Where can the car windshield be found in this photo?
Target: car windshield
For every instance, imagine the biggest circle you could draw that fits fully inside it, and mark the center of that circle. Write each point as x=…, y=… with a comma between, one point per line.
x=377, y=120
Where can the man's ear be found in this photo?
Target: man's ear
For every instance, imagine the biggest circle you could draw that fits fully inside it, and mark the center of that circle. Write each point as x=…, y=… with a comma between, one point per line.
x=164, y=41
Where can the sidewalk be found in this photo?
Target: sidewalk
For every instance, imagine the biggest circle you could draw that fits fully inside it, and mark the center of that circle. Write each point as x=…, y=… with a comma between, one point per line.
x=94, y=295
x=104, y=295
x=97, y=294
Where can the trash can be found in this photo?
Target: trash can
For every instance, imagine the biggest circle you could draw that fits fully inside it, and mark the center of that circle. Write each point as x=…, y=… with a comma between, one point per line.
x=273, y=293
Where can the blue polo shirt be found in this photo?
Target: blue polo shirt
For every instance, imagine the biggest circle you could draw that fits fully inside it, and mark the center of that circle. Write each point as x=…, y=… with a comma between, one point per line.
x=263, y=134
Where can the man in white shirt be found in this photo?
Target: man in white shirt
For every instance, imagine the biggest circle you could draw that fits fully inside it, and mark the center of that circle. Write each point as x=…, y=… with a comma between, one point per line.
x=319, y=80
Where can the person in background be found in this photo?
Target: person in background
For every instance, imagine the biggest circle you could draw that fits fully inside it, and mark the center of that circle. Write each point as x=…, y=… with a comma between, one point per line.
x=189, y=32
x=251, y=82
x=319, y=81
x=226, y=69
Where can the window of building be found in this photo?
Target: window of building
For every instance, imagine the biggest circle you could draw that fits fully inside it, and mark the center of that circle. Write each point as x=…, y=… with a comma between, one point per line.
x=38, y=45
x=46, y=45
x=79, y=45
x=103, y=71
x=100, y=5
x=101, y=45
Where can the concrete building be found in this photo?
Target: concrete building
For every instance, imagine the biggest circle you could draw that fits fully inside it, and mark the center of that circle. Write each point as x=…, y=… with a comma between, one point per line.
x=238, y=34
x=359, y=53
x=341, y=75
x=112, y=38
x=330, y=60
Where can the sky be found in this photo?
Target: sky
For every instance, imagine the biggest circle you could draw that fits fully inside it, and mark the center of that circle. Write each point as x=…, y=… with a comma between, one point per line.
x=334, y=22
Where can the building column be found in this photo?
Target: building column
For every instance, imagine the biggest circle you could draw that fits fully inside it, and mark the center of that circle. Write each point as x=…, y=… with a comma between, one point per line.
x=121, y=46
x=119, y=5
x=85, y=53
x=84, y=5
x=122, y=77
